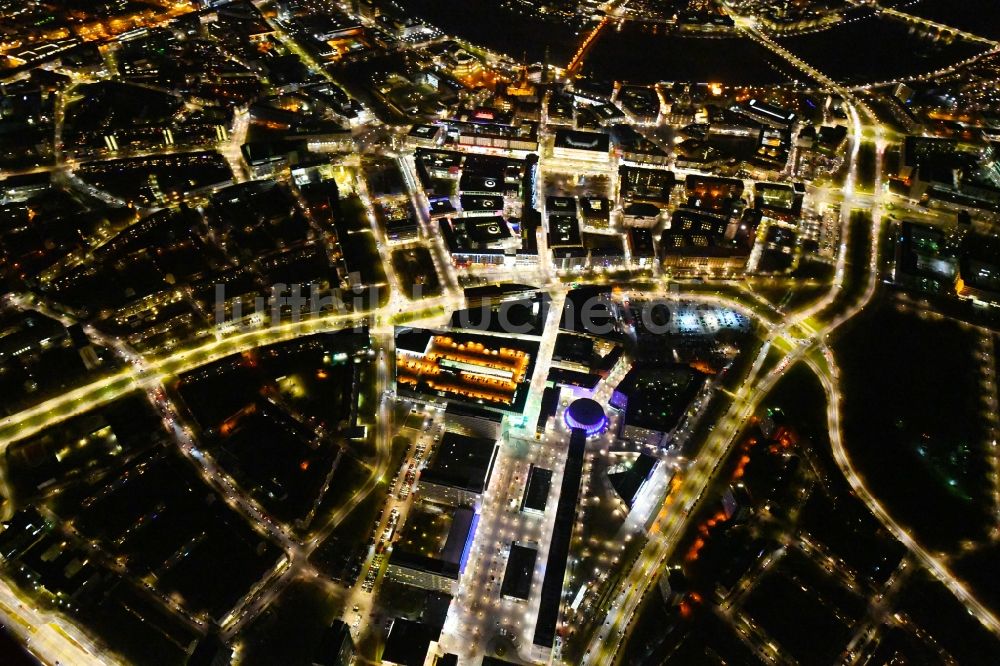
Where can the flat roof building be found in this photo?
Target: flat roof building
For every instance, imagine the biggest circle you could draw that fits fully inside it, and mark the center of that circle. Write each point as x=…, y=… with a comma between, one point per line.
x=409, y=642
x=653, y=401
x=474, y=184
x=585, y=146
x=496, y=661
x=463, y=250
x=564, y=231
x=523, y=136
x=336, y=648
x=697, y=240
x=550, y=604
x=628, y=480
x=550, y=403
x=432, y=550
x=562, y=205
x=519, y=572
x=479, y=204
x=474, y=421
x=641, y=215
x=646, y=185
x=595, y=211
x=536, y=490
x=634, y=147
x=640, y=246
x=924, y=258
x=979, y=280
x=461, y=469
x=425, y=136
x=767, y=114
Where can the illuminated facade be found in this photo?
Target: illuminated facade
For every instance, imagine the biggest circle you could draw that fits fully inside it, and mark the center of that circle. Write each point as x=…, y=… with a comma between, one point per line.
x=587, y=415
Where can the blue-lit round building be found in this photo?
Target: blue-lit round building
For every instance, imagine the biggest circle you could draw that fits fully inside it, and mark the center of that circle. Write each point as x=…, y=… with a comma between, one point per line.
x=586, y=414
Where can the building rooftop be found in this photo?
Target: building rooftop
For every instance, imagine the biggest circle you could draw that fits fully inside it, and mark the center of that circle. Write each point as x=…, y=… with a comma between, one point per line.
x=424, y=131
x=536, y=491
x=574, y=348
x=640, y=242
x=698, y=233
x=595, y=208
x=408, y=642
x=456, y=409
x=435, y=539
x=628, y=481
x=555, y=566
x=586, y=414
x=484, y=370
x=655, y=397
x=481, y=203
x=590, y=141
x=585, y=380
x=565, y=205
x=981, y=274
x=332, y=644
x=653, y=185
x=439, y=159
x=496, y=661
x=462, y=462
x=519, y=572
x=564, y=231
x=472, y=182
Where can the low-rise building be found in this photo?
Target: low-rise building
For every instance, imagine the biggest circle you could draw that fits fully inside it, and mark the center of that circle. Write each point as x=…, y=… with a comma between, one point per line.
x=629, y=479
x=697, y=241
x=473, y=421
x=461, y=469
x=595, y=211
x=519, y=572
x=582, y=146
x=653, y=401
x=536, y=490
x=410, y=643
x=432, y=550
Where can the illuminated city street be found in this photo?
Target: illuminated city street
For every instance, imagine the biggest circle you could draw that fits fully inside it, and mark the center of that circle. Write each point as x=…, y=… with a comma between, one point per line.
x=432, y=332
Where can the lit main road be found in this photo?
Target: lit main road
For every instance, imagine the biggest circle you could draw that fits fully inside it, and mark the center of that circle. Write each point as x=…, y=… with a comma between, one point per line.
x=155, y=371
x=799, y=336
x=671, y=520
x=48, y=636
x=149, y=376
x=794, y=338
x=827, y=373
x=231, y=148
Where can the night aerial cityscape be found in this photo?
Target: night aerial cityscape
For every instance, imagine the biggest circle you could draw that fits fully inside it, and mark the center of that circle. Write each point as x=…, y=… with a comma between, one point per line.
x=437, y=332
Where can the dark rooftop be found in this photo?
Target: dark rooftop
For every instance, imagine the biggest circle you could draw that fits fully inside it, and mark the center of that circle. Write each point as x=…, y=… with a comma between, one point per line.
x=582, y=140
x=408, y=642
x=536, y=492
x=562, y=530
x=462, y=462
x=564, y=231
x=519, y=572
x=627, y=483
x=657, y=396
